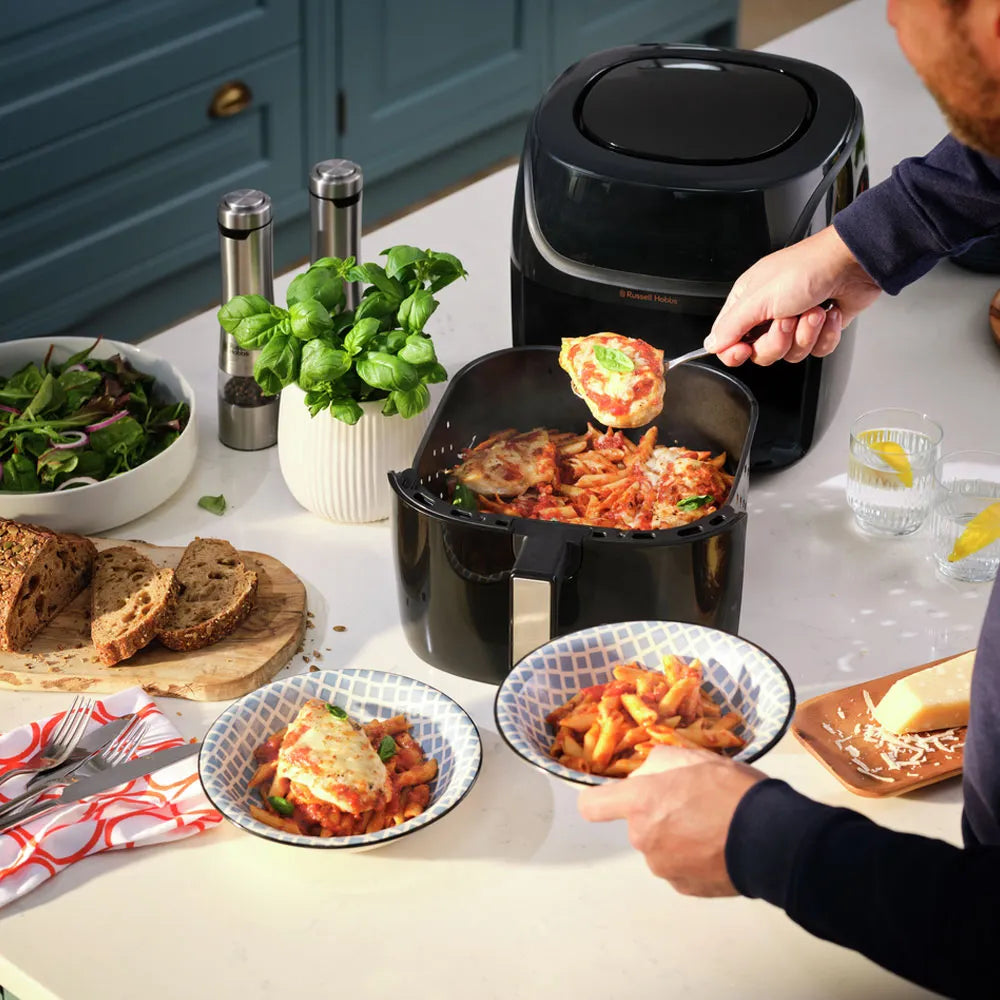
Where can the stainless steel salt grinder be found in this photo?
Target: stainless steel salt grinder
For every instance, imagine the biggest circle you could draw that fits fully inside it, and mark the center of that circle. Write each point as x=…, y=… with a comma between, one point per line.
x=248, y=419
x=335, y=188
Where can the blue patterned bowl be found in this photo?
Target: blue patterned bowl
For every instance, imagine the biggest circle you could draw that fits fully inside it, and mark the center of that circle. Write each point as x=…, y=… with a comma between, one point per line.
x=738, y=675
x=438, y=724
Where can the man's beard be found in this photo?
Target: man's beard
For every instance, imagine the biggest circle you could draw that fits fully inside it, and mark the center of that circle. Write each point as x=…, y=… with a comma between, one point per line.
x=976, y=123
x=981, y=133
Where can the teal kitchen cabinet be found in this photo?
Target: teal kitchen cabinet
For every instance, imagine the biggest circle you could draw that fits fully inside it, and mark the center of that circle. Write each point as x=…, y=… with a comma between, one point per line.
x=122, y=123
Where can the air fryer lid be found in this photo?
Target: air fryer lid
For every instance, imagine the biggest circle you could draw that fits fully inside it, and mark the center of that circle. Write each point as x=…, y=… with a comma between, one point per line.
x=685, y=111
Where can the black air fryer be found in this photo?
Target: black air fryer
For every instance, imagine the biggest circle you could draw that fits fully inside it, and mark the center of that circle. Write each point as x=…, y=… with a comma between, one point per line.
x=654, y=175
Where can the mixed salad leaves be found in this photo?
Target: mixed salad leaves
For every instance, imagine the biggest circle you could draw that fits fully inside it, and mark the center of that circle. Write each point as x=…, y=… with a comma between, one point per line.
x=80, y=422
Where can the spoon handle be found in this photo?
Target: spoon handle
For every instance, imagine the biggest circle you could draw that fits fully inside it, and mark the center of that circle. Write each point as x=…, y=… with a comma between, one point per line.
x=750, y=337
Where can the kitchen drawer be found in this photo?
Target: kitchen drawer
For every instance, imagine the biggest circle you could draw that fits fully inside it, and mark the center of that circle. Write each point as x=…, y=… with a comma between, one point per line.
x=106, y=210
x=67, y=65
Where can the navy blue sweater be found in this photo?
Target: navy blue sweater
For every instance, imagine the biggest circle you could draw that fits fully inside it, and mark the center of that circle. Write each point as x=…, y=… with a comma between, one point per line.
x=924, y=909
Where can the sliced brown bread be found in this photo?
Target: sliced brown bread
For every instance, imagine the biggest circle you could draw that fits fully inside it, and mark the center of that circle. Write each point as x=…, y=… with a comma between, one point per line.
x=217, y=592
x=40, y=573
x=130, y=598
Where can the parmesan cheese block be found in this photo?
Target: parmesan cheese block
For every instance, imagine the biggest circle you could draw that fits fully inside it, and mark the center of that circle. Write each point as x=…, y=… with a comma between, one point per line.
x=934, y=698
x=333, y=759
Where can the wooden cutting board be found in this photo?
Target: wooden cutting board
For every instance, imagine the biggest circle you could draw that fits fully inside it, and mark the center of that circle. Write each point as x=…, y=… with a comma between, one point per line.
x=61, y=657
x=825, y=725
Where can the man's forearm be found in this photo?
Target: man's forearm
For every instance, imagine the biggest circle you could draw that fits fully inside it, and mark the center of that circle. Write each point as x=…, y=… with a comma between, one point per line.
x=920, y=907
x=927, y=209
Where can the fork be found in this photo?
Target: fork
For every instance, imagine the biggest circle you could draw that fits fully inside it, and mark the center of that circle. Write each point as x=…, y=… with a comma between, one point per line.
x=62, y=740
x=118, y=750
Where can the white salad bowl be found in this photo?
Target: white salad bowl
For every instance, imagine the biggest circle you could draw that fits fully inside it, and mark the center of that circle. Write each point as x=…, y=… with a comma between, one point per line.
x=99, y=506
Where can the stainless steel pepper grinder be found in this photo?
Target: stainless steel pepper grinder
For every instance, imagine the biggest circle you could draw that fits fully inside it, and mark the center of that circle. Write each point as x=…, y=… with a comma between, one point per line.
x=335, y=188
x=248, y=419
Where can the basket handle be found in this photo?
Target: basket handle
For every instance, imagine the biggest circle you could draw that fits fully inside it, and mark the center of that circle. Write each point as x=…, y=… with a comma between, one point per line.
x=543, y=560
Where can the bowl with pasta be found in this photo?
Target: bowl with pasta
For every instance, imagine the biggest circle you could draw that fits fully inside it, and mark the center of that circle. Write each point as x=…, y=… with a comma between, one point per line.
x=348, y=759
x=589, y=706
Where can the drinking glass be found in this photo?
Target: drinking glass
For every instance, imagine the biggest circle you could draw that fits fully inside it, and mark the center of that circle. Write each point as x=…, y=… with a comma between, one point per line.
x=966, y=484
x=890, y=475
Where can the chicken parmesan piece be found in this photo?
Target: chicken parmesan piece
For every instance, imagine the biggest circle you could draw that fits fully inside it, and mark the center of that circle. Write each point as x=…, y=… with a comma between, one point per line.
x=508, y=464
x=619, y=378
x=333, y=760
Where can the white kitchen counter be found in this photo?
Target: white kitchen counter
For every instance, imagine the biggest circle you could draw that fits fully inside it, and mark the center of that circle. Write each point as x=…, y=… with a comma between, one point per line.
x=513, y=895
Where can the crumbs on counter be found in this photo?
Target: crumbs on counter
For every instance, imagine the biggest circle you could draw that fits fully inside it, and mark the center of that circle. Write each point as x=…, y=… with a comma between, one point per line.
x=339, y=628
x=314, y=670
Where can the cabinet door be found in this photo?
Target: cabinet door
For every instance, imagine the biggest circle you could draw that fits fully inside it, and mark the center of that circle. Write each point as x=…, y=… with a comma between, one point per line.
x=580, y=27
x=418, y=78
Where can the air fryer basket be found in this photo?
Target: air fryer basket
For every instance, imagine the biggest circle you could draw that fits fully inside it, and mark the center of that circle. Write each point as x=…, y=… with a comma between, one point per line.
x=479, y=591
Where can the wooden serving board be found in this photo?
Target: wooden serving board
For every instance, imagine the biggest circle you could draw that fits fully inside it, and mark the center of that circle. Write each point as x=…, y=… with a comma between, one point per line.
x=61, y=657
x=842, y=710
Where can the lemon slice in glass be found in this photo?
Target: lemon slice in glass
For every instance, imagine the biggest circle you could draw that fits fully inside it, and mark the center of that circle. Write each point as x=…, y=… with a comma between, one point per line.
x=890, y=452
x=982, y=530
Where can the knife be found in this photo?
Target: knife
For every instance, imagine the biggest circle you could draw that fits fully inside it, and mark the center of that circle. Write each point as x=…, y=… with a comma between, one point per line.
x=111, y=778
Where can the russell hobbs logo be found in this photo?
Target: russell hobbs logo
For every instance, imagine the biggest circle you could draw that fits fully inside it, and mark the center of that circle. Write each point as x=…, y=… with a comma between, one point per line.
x=663, y=300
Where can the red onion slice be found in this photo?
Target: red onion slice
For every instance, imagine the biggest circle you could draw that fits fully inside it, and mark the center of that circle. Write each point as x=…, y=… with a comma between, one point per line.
x=107, y=423
x=79, y=439
x=77, y=481
x=10, y=409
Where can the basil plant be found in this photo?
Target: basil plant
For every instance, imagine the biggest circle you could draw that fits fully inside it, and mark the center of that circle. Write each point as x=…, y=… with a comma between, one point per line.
x=341, y=357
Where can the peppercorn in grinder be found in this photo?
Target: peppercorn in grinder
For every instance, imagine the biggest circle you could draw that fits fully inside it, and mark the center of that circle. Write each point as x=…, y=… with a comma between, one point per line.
x=248, y=418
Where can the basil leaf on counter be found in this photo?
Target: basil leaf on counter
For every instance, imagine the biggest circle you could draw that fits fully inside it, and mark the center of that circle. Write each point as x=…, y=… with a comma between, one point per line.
x=694, y=502
x=214, y=505
x=386, y=749
x=613, y=360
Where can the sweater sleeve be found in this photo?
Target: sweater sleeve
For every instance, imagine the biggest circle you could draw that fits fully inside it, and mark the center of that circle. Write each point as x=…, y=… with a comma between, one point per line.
x=920, y=907
x=930, y=207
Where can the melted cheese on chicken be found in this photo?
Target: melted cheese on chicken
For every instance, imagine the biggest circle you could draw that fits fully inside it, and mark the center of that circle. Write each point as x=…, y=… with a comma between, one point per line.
x=509, y=465
x=333, y=759
x=616, y=397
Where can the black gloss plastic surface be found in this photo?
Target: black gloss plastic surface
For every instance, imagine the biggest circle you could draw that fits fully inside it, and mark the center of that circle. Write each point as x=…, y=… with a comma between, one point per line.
x=454, y=567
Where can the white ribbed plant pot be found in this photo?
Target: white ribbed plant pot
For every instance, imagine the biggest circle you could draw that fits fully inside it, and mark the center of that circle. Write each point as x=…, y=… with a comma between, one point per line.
x=339, y=471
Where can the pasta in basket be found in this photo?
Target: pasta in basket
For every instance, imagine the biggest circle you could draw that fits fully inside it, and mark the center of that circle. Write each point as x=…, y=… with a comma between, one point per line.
x=324, y=775
x=597, y=478
x=610, y=729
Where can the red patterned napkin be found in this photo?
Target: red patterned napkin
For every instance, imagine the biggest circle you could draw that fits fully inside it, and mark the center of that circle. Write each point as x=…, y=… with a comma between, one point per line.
x=165, y=806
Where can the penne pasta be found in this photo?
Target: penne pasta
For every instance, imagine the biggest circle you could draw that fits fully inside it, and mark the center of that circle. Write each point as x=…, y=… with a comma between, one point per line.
x=610, y=728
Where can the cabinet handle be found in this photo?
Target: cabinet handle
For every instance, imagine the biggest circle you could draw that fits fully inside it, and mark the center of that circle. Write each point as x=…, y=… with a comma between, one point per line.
x=230, y=99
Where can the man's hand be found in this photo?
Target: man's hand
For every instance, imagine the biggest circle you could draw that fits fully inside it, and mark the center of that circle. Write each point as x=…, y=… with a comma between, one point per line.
x=787, y=287
x=678, y=806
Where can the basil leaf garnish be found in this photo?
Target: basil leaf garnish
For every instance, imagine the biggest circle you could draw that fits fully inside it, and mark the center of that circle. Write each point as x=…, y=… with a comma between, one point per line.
x=694, y=502
x=613, y=360
x=337, y=712
x=464, y=498
x=386, y=749
x=282, y=805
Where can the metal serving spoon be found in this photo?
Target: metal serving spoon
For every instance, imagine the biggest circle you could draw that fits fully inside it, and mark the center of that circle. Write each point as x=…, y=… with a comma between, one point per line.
x=749, y=337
